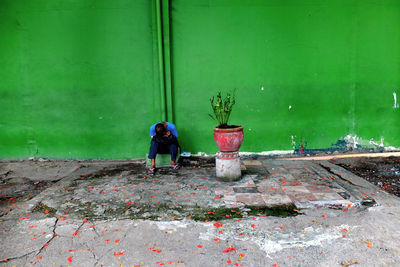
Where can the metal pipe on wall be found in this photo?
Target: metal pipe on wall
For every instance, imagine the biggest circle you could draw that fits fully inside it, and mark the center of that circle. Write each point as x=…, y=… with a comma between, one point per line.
x=167, y=59
x=162, y=13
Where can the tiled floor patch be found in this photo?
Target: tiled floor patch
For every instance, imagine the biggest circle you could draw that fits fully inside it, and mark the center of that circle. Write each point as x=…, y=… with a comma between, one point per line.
x=276, y=199
x=250, y=199
x=250, y=189
x=286, y=184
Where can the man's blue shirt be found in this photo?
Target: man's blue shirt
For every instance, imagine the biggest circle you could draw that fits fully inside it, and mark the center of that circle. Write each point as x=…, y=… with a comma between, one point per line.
x=171, y=128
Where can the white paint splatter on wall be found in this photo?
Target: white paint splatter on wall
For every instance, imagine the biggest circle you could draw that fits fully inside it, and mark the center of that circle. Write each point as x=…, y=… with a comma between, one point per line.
x=352, y=141
x=396, y=105
x=293, y=142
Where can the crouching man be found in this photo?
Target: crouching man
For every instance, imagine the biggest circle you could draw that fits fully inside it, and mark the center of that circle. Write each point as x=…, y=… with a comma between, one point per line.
x=163, y=141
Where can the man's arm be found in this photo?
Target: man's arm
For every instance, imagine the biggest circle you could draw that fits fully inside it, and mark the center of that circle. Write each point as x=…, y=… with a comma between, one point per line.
x=153, y=130
x=172, y=129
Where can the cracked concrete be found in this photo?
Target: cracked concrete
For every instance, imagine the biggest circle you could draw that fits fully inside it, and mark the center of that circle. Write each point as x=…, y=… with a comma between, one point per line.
x=82, y=233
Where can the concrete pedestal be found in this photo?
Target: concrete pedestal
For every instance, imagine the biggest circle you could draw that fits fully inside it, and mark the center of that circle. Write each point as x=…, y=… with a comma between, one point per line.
x=228, y=166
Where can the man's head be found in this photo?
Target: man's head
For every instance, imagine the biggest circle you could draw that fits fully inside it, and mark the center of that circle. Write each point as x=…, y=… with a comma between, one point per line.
x=165, y=125
x=160, y=129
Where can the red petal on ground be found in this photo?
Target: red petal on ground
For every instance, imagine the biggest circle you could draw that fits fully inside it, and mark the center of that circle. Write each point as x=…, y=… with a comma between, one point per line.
x=116, y=254
x=217, y=224
x=69, y=259
x=229, y=249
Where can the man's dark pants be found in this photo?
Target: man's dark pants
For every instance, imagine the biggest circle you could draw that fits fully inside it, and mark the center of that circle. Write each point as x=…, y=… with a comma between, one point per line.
x=159, y=148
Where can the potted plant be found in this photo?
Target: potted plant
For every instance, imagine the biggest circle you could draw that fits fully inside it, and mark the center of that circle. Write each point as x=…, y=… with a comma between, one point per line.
x=228, y=138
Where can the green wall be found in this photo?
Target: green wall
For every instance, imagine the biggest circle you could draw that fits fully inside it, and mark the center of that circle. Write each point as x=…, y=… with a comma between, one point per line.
x=82, y=78
x=336, y=63
x=77, y=78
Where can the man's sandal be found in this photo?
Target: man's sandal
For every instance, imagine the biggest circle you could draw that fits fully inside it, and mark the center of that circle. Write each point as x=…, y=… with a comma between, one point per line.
x=175, y=167
x=151, y=171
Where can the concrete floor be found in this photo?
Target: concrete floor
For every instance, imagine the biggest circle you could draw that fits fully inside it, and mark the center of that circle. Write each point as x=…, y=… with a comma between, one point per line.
x=75, y=213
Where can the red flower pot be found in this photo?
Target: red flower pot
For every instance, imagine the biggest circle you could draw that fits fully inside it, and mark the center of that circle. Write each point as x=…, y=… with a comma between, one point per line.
x=229, y=139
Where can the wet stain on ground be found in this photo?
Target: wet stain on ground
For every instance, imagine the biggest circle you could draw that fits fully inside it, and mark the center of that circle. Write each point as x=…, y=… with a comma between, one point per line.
x=19, y=190
x=234, y=213
x=125, y=169
x=43, y=208
x=382, y=172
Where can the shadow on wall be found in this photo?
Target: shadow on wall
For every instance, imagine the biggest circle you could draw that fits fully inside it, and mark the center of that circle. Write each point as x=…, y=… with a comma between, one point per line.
x=184, y=139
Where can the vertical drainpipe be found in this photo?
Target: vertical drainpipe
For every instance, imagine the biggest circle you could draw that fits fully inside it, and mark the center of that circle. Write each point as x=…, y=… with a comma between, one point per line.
x=162, y=11
x=167, y=59
x=160, y=59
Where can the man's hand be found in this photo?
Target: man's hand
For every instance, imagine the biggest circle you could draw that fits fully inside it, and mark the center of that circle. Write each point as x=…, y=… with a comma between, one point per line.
x=167, y=133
